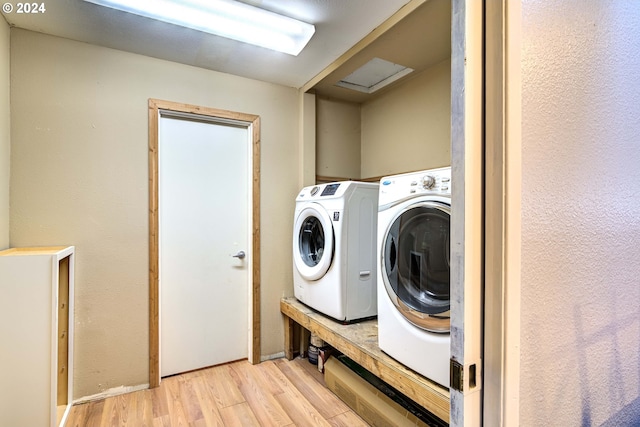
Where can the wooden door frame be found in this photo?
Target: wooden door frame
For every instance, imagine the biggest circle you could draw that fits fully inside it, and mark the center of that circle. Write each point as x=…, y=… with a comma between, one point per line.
x=253, y=123
x=467, y=205
x=503, y=187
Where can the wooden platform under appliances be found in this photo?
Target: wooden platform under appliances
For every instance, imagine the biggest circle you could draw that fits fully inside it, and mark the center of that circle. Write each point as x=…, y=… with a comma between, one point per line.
x=359, y=341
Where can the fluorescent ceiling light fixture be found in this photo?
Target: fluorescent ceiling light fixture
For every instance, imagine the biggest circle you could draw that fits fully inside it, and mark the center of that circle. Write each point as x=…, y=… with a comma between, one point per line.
x=374, y=75
x=225, y=18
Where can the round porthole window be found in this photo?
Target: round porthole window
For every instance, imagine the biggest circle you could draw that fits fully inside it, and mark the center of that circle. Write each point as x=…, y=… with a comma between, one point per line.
x=313, y=243
x=416, y=265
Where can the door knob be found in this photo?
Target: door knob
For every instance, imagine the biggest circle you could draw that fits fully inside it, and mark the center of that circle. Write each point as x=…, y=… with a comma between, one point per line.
x=240, y=255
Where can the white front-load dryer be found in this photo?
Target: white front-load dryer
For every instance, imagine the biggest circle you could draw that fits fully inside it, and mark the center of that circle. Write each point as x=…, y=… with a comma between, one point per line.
x=334, y=249
x=414, y=215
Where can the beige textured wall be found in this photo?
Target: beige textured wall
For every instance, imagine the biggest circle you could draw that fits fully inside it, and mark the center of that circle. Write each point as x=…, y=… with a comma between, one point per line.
x=406, y=129
x=580, y=317
x=409, y=128
x=79, y=176
x=5, y=133
x=338, y=139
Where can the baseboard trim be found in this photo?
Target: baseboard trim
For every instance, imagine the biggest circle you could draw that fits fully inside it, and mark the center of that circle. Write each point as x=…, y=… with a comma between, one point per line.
x=272, y=356
x=115, y=391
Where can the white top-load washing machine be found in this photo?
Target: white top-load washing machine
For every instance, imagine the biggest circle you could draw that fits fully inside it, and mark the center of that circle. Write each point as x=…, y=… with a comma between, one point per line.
x=414, y=212
x=334, y=249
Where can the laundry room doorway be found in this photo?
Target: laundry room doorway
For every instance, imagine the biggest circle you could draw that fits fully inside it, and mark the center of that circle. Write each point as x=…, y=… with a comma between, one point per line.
x=203, y=239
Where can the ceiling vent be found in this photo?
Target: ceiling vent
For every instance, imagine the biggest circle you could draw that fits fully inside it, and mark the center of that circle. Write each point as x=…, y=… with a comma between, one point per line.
x=374, y=75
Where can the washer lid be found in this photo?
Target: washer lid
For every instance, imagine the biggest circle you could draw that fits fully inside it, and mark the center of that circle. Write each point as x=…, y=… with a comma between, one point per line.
x=416, y=264
x=313, y=242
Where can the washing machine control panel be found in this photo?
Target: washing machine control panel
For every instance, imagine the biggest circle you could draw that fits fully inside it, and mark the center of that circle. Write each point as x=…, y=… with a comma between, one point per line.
x=333, y=190
x=428, y=182
x=330, y=190
x=436, y=181
x=324, y=190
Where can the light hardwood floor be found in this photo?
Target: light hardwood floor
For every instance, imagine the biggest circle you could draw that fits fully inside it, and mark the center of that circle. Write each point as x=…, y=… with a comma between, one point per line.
x=272, y=393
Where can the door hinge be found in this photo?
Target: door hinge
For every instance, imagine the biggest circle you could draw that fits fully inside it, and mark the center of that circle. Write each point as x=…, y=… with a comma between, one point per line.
x=457, y=376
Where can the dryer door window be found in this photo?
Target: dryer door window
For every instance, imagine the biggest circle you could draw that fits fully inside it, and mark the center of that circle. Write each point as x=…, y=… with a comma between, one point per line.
x=313, y=243
x=416, y=265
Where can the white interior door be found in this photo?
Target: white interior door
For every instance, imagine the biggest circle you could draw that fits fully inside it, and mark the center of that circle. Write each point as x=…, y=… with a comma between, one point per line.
x=204, y=199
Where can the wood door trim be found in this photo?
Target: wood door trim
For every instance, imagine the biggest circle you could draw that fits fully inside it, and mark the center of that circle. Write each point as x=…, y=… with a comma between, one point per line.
x=250, y=120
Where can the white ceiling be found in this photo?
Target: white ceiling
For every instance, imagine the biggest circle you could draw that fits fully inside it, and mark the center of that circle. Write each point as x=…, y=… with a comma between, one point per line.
x=339, y=25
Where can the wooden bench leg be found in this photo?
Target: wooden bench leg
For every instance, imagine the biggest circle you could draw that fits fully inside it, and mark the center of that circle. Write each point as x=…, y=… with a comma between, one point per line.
x=289, y=328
